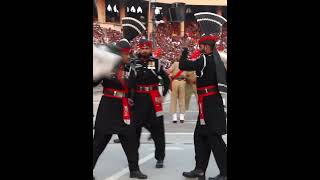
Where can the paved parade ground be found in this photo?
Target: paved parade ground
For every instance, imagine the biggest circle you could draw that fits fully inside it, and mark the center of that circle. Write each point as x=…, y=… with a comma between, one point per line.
x=112, y=164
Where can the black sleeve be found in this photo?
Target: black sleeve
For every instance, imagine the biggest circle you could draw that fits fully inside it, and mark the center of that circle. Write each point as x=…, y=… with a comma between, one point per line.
x=132, y=81
x=166, y=80
x=221, y=73
x=186, y=65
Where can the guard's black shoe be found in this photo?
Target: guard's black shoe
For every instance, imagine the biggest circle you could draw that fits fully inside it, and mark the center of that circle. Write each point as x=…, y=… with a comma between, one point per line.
x=194, y=173
x=219, y=177
x=159, y=164
x=174, y=122
x=138, y=174
x=181, y=121
x=116, y=140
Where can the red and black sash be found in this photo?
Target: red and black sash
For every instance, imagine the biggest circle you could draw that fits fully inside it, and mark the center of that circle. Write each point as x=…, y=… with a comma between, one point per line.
x=175, y=77
x=203, y=92
x=121, y=94
x=154, y=93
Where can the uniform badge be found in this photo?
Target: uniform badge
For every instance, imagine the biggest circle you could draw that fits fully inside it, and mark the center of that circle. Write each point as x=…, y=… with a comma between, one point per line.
x=151, y=65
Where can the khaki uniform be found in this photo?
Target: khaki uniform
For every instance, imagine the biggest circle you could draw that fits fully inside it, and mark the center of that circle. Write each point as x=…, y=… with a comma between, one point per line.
x=177, y=89
x=191, y=87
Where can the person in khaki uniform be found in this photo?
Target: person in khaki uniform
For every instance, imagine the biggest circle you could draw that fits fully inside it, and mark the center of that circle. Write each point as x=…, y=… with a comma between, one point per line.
x=190, y=88
x=178, y=83
x=191, y=77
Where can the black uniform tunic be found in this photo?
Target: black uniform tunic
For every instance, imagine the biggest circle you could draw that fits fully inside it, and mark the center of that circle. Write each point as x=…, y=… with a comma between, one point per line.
x=109, y=118
x=144, y=111
x=214, y=114
x=109, y=121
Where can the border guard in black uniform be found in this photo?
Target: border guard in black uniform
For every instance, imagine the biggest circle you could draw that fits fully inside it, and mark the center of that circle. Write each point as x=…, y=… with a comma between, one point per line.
x=114, y=114
x=211, y=81
x=148, y=110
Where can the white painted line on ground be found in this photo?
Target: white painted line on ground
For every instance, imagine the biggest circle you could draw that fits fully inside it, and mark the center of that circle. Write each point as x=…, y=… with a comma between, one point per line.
x=126, y=170
x=166, y=123
x=169, y=148
x=173, y=133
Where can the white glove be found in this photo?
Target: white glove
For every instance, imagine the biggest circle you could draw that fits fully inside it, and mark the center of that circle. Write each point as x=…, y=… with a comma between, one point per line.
x=104, y=62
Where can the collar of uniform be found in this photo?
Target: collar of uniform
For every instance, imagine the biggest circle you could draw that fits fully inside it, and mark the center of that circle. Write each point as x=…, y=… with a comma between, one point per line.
x=210, y=54
x=147, y=59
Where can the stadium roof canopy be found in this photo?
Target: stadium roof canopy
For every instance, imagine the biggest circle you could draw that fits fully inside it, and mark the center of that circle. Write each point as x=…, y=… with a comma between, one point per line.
x=194, y=2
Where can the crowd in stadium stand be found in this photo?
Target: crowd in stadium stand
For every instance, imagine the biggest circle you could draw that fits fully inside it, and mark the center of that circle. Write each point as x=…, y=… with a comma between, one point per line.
x=102, y=35
x=168, y=40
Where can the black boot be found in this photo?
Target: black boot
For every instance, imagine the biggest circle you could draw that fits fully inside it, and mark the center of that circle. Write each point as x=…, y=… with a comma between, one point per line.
x=194, y=173
x=219, y=177
x=159, y=164
x=138, y=174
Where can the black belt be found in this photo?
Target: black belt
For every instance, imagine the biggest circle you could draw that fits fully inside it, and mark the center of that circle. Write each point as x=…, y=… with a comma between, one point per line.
x=180, y=79
x=115, y=93
x=147, y=88
x=206, y=90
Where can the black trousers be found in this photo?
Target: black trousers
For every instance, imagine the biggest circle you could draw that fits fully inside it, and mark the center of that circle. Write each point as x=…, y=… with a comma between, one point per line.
x=128, y=143
x=204, y=143
x=156, y=128
x=145, y=116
